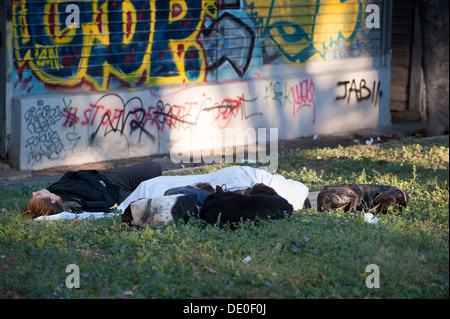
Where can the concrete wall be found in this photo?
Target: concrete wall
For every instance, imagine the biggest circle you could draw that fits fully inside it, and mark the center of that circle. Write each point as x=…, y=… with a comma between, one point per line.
x=304, y=69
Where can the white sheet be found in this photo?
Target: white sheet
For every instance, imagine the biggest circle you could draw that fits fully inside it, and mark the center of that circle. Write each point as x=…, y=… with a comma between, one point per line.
x=234, y=177
x=69, y=215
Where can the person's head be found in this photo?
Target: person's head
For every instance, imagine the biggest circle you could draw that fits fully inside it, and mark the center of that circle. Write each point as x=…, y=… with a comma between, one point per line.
x=42, y=203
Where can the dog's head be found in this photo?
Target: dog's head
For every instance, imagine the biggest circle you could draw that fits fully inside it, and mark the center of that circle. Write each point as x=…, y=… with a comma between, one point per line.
x=260, y=188
x=393, y=196
x=138, y=211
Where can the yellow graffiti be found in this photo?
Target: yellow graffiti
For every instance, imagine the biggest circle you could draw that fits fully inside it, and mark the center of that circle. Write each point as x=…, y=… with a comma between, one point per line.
x=96, y=32
x=334, y=21
x=299, y=29
x=47, y=56
x=279, y=21
x=129, y=17
x=59, y=35
x=109, y=69
x=181, y=47
x=308, y=26
x=21, y=20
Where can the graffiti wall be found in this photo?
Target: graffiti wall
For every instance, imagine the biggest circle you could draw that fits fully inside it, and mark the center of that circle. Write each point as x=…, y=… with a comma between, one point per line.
x=96, y=80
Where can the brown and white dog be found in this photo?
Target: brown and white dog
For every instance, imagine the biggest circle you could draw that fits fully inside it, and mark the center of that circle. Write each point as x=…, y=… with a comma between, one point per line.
x=357, y=197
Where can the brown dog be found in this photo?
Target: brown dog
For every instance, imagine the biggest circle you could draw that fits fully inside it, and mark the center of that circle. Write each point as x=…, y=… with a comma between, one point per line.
x=357, y=197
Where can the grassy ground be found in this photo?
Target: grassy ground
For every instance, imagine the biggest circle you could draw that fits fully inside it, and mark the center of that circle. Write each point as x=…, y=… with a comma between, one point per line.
x=308, y=255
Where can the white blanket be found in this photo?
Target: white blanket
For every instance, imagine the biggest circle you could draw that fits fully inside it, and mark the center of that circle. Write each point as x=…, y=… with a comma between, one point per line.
x=234, y=177
x=69, y=215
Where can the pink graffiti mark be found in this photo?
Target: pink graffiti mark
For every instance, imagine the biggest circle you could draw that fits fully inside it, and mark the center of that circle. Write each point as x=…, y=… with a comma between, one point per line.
x=88, y=117
x=228, y=109
x=107, y=118
x=119, y=121
x=303, y=96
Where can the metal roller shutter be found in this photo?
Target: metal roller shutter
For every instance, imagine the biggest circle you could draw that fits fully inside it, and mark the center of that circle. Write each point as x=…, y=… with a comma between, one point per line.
x=132, y=44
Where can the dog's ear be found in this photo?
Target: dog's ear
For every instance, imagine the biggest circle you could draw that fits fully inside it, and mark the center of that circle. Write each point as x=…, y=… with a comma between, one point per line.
x=219, y=189
x=127, y=217
x=261, y=188
x=306, y=204
x=403, y=199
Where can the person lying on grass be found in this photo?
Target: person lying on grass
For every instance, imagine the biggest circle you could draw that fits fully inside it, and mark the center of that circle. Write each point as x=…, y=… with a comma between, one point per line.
x=90, y=190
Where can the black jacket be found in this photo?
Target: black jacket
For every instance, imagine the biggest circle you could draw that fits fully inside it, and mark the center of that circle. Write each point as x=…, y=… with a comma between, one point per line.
x=84, y=188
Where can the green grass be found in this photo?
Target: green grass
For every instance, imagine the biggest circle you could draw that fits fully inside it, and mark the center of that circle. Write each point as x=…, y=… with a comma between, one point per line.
x=308, y=255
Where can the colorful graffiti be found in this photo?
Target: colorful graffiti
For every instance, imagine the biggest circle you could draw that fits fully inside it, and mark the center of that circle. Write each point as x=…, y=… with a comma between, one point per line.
x=301, y=31
x=135, y=43
x=59, y=127
x=298, y=95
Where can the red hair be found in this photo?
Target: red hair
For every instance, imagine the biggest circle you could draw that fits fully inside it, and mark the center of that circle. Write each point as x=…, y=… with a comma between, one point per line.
x=41, y=206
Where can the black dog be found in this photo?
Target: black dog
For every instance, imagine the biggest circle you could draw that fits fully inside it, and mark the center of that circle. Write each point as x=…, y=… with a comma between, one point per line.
x=231, y=207
x=357, y=197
